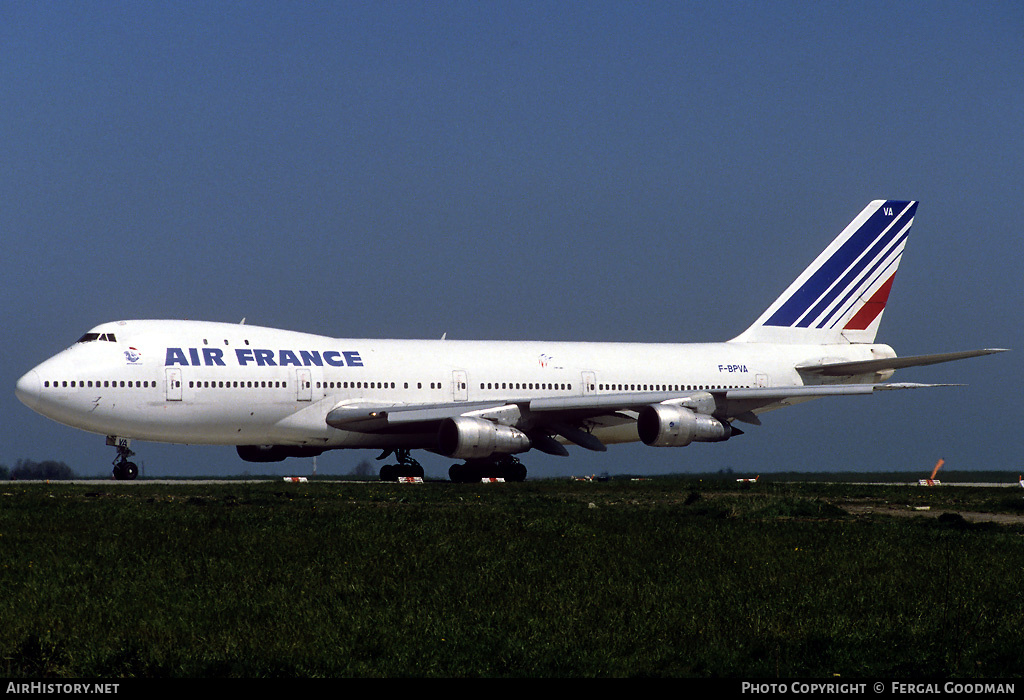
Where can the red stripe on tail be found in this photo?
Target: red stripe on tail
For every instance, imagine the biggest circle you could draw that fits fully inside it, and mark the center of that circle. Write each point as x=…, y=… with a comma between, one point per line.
x=871, y=309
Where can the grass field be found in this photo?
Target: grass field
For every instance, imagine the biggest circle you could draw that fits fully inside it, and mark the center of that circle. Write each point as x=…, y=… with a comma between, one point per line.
x=662, y=577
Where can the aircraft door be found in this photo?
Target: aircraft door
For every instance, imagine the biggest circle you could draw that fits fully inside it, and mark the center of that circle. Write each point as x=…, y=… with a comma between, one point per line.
x=460, y=385
x=589, y=380
x=173, y=384
x=304, y=385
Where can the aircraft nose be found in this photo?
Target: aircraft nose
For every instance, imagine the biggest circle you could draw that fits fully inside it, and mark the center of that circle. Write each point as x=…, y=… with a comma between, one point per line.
x=27, y=389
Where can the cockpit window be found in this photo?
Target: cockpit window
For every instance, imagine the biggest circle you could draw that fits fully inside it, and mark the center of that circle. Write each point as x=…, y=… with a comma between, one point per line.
x=89, y=337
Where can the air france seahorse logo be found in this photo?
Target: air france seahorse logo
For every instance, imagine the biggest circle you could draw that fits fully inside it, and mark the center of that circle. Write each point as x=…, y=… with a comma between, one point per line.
x=133, y=356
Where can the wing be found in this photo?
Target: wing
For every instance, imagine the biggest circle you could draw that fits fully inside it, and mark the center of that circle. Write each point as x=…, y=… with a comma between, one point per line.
x=574, y=419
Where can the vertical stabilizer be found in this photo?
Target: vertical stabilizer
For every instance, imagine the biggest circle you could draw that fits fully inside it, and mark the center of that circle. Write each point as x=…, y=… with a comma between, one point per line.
x=840, y=297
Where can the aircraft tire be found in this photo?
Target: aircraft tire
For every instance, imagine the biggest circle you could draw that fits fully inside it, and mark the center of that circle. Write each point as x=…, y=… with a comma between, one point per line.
x=470, y=472
x=515, y=472
x=461, y=474
x=126, y=471
x=392, y=472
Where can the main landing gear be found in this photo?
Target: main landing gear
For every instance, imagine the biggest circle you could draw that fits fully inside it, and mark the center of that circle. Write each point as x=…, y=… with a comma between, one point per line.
x=406, y=467
x=506, y=467
x=124, y=469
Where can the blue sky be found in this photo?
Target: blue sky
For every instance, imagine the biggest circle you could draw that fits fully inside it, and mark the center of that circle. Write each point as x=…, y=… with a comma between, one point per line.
x=648, y=171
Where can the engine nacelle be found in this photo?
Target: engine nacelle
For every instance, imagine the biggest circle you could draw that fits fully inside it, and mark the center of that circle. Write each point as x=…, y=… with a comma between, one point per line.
x=663, y=425
x=474, y=438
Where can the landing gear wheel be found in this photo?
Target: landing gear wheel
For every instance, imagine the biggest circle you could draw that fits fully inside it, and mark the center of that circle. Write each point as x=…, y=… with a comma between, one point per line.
x=515, y=471
x=460, y=474
x=406, y=467
x=126, y=471
x=506, y=467
x=510, y=468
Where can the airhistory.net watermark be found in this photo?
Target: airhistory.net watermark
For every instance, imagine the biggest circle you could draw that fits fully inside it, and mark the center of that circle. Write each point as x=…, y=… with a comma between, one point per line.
x=48, y=688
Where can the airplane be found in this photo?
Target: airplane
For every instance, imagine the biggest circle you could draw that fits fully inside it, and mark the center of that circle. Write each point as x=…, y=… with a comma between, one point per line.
x=275, y=393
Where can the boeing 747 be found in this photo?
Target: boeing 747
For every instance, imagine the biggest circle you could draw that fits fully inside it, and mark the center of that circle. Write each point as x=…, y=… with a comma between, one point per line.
x=277, y=393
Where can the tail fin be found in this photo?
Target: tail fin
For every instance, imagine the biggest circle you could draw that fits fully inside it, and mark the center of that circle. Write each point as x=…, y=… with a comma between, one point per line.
x=840, y=297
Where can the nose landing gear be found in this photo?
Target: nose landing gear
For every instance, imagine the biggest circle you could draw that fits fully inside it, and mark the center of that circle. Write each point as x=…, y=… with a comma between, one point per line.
x=124, y=469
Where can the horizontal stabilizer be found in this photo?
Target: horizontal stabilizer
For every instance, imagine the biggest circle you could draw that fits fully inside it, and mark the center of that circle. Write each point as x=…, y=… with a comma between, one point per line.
x=849, y=369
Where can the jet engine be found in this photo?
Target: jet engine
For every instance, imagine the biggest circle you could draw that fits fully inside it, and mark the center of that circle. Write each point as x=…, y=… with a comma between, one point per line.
x=665, y=425
x=474, y=438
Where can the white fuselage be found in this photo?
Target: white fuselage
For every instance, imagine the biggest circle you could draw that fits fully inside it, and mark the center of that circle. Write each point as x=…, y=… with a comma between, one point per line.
x=278, y=394
x=216, y=383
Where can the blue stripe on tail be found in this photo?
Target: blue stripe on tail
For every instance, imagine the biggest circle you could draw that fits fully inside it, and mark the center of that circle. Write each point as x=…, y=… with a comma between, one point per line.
x=873, y=237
